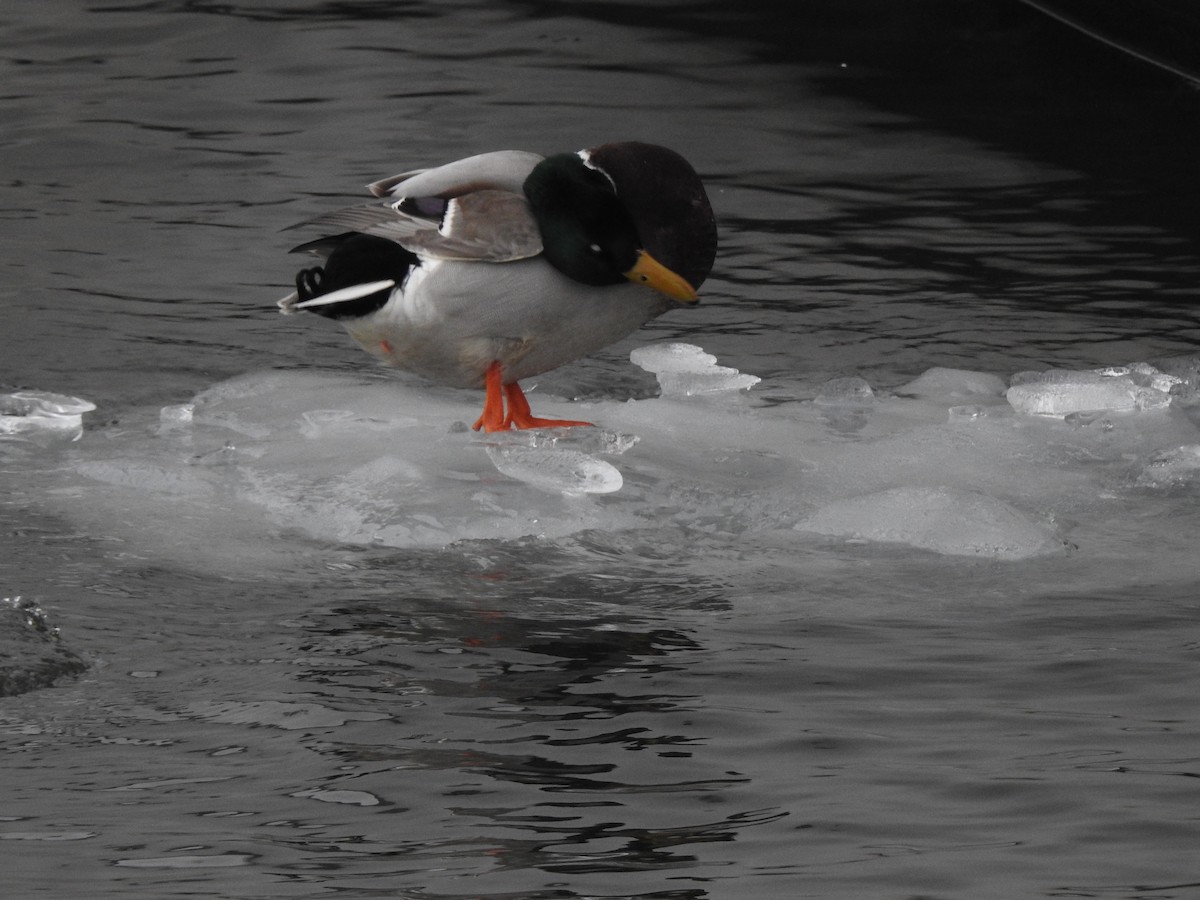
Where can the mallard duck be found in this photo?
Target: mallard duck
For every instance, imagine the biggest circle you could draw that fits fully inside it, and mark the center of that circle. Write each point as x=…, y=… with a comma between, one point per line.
x=501, y=266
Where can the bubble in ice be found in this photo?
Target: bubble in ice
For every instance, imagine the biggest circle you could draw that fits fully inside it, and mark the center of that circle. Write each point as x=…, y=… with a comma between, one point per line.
x=1061, y=392
x=42, y=415
x=946, y=520
x=684, y=370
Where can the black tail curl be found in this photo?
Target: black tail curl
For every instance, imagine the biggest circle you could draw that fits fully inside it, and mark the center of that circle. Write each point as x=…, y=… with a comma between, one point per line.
x=308, y=283
x=352, y=259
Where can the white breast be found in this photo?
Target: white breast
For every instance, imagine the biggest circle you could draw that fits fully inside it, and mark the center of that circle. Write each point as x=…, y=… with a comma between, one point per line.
x=450, y=320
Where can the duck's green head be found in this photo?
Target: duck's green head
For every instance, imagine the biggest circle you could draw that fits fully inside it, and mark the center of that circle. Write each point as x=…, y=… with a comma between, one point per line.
x=587, y=232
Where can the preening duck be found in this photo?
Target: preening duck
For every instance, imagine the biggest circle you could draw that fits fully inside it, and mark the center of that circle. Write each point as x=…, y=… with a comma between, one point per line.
x=501, y=266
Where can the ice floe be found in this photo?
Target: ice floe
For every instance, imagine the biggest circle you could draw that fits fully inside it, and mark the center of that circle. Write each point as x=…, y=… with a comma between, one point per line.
x=954, y=462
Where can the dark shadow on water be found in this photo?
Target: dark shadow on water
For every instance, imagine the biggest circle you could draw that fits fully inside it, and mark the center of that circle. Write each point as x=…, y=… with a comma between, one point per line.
x=996, y=71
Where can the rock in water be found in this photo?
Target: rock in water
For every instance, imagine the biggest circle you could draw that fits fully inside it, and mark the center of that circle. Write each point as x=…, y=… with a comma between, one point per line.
x=30, y=653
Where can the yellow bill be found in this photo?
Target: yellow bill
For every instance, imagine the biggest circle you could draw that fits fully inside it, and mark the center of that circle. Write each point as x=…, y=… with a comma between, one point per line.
x=653, y=274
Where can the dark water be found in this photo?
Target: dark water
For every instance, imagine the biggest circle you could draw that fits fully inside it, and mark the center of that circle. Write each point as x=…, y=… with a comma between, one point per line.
x=679, y=711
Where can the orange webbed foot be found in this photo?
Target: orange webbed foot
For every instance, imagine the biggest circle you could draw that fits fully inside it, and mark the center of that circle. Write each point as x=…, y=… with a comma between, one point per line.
x=519, y=414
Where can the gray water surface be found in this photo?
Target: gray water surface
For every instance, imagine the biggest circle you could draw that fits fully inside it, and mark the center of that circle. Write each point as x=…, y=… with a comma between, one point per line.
x=700, y=707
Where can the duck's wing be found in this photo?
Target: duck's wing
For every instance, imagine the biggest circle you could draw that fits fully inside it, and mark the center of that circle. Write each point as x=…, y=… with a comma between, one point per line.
x=489, y=225
x=472, y=209
x=502, y=170
x=497, y=226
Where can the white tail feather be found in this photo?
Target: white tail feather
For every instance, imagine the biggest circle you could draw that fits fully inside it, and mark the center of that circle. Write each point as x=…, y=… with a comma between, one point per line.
x=348, y=293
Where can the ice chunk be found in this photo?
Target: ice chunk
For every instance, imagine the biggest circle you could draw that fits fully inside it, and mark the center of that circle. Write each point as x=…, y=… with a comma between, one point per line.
x=946, y=520
x=672, y=358
x=353, y=798
x=968, y=412
x=685, y=369
x=43, y=403
x=848, y=391
x=1060, y=392
x=1180, y=465
x=175, y=418
x=556, y=469
x=952, y=384
x=846, y=404
x=1145, y=375
x=42, y=415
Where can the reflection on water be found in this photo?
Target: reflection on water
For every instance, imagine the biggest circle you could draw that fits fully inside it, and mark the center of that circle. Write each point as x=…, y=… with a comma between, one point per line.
x=545, y=712
x=682, y=711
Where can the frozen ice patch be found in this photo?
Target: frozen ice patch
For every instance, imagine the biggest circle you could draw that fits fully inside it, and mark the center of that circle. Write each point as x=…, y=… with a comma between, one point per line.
x=1178, y=466
x=276, y=467
x=944, y=520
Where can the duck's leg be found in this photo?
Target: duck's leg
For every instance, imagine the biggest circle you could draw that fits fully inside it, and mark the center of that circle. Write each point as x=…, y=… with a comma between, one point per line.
x=520, y=416
x=493, y=418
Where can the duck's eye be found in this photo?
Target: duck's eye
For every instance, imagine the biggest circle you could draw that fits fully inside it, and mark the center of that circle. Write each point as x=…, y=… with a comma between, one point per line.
x=596, y=249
